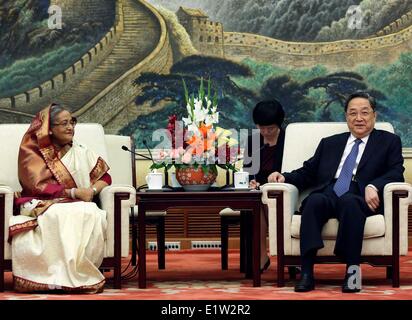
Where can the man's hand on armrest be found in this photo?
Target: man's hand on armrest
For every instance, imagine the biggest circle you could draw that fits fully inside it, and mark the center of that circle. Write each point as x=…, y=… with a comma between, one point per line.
x=276, y=177
x=371, y=197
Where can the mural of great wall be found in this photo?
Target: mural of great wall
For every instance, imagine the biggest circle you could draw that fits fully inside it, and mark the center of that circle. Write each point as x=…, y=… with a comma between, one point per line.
x=98, y=87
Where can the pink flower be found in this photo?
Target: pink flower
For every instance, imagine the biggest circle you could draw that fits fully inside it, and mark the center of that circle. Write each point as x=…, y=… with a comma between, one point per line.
x=162, y=155
x=187, y=157
x=176, y=153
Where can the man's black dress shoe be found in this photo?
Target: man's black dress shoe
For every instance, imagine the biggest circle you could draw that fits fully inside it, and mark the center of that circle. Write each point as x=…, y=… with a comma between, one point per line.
x=305, y=284
x=348, y=286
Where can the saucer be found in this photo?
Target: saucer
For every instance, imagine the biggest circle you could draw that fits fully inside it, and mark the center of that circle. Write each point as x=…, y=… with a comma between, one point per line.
x=231, y=188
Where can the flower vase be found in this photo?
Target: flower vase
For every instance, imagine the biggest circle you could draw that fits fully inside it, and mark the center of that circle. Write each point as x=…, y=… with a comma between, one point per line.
x=195, y=179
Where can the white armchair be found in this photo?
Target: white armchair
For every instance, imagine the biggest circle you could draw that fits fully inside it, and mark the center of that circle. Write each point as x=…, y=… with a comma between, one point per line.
x=116, y=199
x=385, y=236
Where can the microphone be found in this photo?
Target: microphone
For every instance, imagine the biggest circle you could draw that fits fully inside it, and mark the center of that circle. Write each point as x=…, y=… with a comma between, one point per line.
x=135, y=153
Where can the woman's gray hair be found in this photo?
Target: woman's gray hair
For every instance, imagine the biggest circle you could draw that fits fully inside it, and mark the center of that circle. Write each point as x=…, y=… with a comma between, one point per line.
x=55, y=109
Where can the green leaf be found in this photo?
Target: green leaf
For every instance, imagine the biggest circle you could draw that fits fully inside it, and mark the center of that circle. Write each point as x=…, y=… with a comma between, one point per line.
x=156, y=166
x=208, y=89
x=201, y=90
x=186, y=91
x=213, y=168
x=205, y=169
x=215, y=99
x=192, y=106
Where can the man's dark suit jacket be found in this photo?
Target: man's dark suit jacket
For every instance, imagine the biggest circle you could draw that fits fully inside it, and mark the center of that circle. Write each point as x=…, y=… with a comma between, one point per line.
x=381, y=163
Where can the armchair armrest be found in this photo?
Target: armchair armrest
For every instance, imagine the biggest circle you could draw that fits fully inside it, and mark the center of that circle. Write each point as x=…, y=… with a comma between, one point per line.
x=6, y=211
x=397, y=197
x=117, y=200
x=281, y=200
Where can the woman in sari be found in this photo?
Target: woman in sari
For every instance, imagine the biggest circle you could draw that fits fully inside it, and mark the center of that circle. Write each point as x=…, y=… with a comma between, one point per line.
x=58, y=240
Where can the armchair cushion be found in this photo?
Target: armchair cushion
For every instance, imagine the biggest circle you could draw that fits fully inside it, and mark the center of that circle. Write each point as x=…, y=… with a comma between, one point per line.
x=374, y=227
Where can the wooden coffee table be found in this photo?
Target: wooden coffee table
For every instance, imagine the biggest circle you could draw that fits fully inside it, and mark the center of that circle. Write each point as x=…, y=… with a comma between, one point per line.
x=247, y=201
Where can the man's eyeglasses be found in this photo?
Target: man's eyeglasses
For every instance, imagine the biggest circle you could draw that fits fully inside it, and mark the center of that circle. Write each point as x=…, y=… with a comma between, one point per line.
x=363, y=114
x=66, y=123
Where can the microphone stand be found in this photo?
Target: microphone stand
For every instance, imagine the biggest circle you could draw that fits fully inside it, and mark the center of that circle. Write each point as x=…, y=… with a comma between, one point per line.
x=135, y=153
x=166, y=186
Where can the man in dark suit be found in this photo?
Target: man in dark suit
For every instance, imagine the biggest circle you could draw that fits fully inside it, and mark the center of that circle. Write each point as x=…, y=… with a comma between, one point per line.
x=348, y=173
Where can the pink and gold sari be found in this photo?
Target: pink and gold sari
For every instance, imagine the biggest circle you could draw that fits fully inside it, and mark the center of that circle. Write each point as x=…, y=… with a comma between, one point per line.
x=57, y=243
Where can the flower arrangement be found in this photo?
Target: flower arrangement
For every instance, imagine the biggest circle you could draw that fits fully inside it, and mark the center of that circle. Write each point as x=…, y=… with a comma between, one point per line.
x=197, y=141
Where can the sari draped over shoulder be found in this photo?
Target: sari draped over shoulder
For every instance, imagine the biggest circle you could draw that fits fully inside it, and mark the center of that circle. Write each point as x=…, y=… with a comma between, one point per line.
x=57, y=243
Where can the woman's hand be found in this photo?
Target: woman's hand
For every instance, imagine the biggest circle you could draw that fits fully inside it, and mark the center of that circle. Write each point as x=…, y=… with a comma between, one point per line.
x=84, y=194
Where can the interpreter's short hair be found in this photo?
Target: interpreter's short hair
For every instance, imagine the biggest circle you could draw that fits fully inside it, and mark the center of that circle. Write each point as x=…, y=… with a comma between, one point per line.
x=268, y=112
x=361, y=94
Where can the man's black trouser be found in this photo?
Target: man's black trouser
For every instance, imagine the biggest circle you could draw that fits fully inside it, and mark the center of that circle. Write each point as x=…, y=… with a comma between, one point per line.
x=351, y=211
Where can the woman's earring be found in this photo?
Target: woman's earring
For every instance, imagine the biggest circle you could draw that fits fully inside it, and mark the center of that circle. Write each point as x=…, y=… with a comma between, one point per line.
x=50, y=133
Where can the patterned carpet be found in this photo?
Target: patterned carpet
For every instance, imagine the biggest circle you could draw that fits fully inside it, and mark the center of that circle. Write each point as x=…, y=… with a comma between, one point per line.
x=196, y=275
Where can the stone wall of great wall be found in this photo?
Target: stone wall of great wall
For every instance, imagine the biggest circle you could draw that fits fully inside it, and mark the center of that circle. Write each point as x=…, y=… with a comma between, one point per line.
x=121, y=93
x=345, y=54
x=47, y=91
x=76, y=12
x=399, y=24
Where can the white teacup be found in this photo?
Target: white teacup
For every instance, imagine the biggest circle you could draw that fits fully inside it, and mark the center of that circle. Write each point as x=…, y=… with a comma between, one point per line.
x=241, y=180
x=154, y=180
x=175, y=183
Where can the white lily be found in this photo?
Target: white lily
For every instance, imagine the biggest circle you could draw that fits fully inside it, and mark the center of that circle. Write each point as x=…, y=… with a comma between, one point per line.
x=210, y=119
x=193, y=129
x=187, y=121
x=199, y=113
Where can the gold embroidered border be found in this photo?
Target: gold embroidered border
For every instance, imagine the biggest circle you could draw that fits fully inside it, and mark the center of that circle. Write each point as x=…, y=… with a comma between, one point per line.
x=99, y=170
x=21, y=227
x=24, y=285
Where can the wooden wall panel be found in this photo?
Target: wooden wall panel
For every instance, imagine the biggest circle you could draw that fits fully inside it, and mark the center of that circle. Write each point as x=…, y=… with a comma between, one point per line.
x=194, y=224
